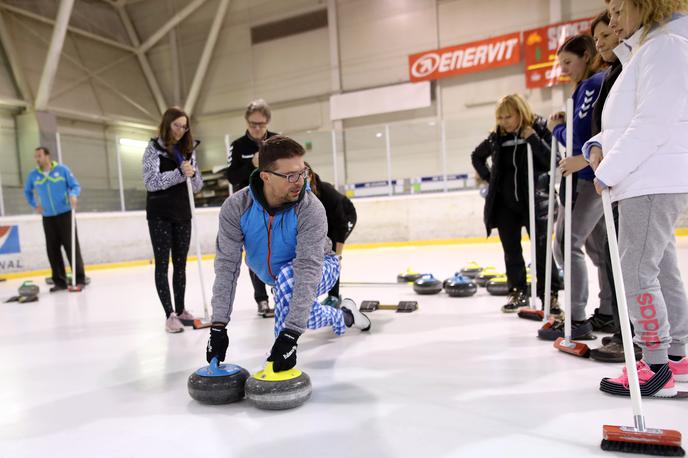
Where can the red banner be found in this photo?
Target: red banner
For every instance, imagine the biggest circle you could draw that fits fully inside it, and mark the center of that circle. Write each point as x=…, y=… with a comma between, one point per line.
x=466, y=58
x=541, y=45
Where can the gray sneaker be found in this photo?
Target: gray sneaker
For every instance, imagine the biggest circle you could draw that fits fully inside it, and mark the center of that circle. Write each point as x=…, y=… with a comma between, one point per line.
x=186, y=318
x=264, y=309
x=173, y=325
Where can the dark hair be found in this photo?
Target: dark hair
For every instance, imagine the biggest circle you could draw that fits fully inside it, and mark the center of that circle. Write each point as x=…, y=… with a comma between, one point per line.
x=185, y=143
x=275, y=148
x=44, y=149
x=579, y=45
x=603, y=17
x=313, y=177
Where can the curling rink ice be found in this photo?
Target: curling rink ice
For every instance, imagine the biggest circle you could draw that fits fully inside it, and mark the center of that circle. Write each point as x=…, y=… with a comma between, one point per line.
x=95, y=375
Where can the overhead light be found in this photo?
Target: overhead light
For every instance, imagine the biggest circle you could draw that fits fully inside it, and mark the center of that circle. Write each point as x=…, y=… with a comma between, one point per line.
x=431, y=123
x=132, y=142
x=378, y=135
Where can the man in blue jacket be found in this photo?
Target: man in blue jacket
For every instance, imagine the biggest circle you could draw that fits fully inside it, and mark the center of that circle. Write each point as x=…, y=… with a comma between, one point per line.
x=57, y=190
x=283, y=228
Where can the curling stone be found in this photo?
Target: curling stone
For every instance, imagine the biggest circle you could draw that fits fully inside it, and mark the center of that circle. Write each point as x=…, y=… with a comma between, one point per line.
x=471, y=270
x=498, y=286
x=278, y=390
x=427, y=284
x=218, y=383
x=28, y=292
x=460, y=286
x=486, y=275
x=408, y=277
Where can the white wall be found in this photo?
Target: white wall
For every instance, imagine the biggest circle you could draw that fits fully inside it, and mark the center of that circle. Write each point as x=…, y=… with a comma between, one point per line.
x=116, y=237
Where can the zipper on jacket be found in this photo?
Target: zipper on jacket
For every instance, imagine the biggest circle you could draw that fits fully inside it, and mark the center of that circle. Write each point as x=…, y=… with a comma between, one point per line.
x=515, y=168
x=50, y=195
x=270, y=218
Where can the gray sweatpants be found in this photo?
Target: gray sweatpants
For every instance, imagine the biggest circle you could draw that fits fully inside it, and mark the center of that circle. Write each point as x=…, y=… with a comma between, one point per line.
x=587, y=230
x=656, y=298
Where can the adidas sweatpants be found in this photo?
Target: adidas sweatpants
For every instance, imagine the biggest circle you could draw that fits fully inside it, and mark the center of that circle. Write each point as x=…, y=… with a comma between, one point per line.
x=656, y=298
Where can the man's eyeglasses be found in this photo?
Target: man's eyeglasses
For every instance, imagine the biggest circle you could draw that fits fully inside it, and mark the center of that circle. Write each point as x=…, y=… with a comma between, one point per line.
x=256, y=125
x=292, y=177
x=180, y=127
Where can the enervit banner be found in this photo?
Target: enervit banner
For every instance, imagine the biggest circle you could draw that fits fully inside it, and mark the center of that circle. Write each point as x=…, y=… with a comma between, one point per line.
x=541, y=45
x=466, y=58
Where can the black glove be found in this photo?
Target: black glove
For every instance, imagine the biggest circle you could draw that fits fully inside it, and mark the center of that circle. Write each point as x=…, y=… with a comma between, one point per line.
x=283, y=353
x=217, y=344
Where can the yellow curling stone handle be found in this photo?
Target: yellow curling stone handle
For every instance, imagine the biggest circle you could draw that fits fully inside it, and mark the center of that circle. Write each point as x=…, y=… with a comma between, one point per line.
x=268, y=375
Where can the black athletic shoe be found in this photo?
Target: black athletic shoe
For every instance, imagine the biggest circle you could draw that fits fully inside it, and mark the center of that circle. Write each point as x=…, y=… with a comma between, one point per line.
x=580, y=331
x=57, y=288
x=602, y=323
x=612, y=352
x=517, y=299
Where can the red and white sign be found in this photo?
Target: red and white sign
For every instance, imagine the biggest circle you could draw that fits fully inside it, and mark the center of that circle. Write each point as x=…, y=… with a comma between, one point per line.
x=541, y=45
x=467, y=58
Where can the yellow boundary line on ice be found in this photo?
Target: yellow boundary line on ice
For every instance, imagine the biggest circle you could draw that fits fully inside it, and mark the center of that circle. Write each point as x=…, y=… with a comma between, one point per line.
x=680, y=232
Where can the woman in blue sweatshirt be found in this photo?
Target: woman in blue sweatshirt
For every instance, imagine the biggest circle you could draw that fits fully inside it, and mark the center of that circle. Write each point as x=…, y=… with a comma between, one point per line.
x=577, y=57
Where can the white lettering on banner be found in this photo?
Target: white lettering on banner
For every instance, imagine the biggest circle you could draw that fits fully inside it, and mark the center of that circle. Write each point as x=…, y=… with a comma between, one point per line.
x=425, y=65
x=445, y=62
x=554, y=34
x=464, y=58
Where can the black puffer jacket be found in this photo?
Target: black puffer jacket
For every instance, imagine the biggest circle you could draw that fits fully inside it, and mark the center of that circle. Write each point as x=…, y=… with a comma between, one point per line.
x=499, y=148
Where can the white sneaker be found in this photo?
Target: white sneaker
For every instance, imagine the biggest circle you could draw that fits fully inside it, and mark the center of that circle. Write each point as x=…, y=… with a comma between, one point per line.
x=356, y=318
x=173, y=325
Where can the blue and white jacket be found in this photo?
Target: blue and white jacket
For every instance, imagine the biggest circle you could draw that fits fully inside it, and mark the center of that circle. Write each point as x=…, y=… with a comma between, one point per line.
x=272, y=237
x=584, y=99
x=53, y=187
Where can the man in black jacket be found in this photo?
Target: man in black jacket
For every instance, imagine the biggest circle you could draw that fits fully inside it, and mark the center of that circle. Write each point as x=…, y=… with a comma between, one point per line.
x=242, y=158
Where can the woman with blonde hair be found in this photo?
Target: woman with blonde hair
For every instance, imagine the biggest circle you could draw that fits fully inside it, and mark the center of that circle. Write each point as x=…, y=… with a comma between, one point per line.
x=644, y=145
x=506, y=203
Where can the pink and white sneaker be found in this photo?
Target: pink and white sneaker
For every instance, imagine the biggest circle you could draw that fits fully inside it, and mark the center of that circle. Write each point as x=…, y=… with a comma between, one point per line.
x=680, y=369
x=173, y=325
x=658, y=384
x=186, y=318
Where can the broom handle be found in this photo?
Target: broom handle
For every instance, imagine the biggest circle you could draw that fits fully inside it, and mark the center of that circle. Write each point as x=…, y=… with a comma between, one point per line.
x=624, y=322
x=567, y=224
x=197, y=239
x=550, y=222
x=73, y=247
x=533, y=232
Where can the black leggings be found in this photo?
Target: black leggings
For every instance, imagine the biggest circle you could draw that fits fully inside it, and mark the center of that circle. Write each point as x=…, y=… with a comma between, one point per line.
x=169, y=236
x=509, y=224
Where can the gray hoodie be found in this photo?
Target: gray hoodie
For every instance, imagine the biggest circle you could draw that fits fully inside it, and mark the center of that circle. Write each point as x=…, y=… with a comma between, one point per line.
x=312, y=245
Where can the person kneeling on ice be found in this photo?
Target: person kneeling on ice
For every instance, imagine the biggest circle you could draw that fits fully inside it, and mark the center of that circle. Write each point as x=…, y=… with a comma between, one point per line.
x=283, y=228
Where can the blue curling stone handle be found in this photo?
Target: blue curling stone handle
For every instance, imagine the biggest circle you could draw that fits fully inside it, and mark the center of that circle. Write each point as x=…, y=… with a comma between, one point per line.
x=218, y=370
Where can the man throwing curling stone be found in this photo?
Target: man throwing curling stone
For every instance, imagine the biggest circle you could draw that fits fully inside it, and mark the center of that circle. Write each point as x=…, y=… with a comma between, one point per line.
x=283, y=228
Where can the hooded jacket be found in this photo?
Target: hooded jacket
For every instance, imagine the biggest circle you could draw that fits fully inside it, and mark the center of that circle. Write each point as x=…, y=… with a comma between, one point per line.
x=502, y=149
x=272, y=237
x=644, y=136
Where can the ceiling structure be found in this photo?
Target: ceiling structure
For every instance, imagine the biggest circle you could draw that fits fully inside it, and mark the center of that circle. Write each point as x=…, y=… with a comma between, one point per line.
x=120, y=61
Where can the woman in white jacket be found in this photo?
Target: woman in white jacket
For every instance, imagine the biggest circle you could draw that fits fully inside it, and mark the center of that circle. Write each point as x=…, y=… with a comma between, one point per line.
x=644, y=143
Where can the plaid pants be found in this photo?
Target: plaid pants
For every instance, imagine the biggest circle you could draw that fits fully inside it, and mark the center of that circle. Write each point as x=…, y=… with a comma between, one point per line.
x=321, y=315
